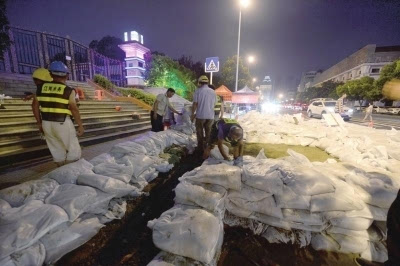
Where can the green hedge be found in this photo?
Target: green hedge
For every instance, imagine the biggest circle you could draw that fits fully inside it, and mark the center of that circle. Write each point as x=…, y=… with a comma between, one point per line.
x=135, y=93
x=140, y=95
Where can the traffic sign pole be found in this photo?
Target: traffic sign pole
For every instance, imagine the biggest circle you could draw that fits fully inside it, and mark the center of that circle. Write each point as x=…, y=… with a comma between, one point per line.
x=211, y=77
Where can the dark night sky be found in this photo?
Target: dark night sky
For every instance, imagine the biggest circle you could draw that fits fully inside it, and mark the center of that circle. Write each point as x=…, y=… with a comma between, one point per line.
x=286, y=36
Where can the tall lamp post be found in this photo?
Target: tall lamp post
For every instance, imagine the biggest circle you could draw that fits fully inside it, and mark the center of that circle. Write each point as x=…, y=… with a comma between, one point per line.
x=243, y=3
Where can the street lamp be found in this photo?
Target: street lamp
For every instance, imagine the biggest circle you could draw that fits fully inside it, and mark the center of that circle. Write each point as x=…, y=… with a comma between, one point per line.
x=244, y=4
x=254, y=79
x=251, y=59
x=280, y=96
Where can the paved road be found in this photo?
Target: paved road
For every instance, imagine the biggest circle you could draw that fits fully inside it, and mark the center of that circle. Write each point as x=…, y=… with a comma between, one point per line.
x=380, y=121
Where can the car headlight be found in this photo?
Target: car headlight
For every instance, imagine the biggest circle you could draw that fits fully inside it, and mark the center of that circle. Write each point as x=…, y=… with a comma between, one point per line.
x=350, y=110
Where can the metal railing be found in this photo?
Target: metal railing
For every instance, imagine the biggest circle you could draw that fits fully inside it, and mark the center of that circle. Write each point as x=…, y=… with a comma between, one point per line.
x=32, y=49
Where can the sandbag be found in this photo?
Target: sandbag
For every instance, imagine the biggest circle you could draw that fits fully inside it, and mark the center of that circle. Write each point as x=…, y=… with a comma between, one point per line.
x=149, y=145
x=4, y=206
x=352, y=223
x=204, y=195
x=273, y=221
x=262, y=175
x=221, y=174
x=369, y=211
x=377, y=193
x=376, y=251
x=127, y=148
x=236, y=210
x=76, y=200
x=108, y=185
x=302, y=216
x=334, y=202
x=216, y=154
x=102, y=158
x=307, y=181
x=324, y=242
x=189, y=232
x=23, y=226
x=68, y=173
x=30, y=190
x=67, y=237
x=351, y=244
x=372, y=234
x=288, y=199
x=31, y=256
x=118, y=171
x=139, y=163
x=265, y=205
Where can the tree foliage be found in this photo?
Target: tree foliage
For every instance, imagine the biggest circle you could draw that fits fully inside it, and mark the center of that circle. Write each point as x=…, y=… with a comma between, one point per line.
x=388, y=73
x=108, y=46
x=4, y=27
x=359, y=89
x=196, y=67
x=326, y=90
x=228, y=74
x=163, y=71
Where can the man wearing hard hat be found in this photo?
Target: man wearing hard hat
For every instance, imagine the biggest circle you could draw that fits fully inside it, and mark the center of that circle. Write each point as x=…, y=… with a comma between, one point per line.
x=40, y=76
x=53, y=106
x=203, y=110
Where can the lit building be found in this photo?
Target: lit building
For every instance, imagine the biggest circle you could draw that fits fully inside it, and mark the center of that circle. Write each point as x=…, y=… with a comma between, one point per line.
x=306, y=80
x=134, y=52
x=366, y=62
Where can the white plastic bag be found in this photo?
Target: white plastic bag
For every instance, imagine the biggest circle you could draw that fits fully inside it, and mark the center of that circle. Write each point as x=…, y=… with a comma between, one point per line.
x=127, y=148
x=149, y=145
x=288, y=199
x=30, y=190
x=350, y=223
x=216, y=154
x=221, y=174
x=67, y=237
x=107, y=184
x=76, y=200
x=262, y=175
x=189, y=232
x=115, y=170
x=102, y=158
x=68, y=173
x=375, y=251
x=31, y=256
x=21, y=227
x=351, y=244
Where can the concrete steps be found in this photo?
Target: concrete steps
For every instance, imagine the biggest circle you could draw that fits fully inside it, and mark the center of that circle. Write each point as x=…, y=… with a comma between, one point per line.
x=20, y=139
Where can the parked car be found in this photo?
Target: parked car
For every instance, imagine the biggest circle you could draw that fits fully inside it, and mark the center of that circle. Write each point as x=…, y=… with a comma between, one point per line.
x=394, y=110
x=320, y=107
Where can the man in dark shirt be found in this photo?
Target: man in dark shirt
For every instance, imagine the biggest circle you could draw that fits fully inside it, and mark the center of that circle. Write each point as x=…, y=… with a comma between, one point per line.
x=226, y=130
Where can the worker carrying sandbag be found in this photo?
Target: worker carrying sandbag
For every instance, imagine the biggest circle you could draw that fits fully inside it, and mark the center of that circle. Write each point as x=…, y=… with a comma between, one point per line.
x=230, y=131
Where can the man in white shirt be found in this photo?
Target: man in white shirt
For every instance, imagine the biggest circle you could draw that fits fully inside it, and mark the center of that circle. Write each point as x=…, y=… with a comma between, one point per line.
x=203, y=110
x=159, y=110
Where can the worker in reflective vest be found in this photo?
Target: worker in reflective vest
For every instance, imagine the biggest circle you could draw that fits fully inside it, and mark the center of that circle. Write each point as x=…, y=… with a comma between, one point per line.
x=53, y=106
x=226, y=130
x=219, y=105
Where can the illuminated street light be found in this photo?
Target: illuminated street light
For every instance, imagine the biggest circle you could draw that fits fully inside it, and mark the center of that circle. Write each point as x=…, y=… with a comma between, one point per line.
x=254, y=79
x=251, y=59
x=244, y=4
x=280, y=96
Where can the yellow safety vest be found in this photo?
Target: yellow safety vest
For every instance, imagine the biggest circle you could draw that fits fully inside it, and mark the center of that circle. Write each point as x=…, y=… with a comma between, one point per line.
x=54, y=101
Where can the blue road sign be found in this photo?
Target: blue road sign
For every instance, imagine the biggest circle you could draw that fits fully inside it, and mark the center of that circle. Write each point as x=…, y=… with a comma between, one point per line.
x=212, y=64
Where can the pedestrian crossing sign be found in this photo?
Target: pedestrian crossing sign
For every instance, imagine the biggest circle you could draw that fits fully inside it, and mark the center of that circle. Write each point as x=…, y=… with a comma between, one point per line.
x=212, y=64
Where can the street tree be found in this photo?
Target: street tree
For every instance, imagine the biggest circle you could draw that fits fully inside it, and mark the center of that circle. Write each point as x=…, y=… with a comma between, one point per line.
x=388, y=72
x=4, y=27
x=163, y=71
x=228, y=74
x=359, y=89
x=326, y=90
x=108, y=46
x=196, y=67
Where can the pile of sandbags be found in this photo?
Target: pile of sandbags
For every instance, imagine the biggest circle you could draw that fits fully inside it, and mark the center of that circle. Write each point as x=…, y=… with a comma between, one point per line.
x=334, y=206
x=42, y=220
x=348, y=143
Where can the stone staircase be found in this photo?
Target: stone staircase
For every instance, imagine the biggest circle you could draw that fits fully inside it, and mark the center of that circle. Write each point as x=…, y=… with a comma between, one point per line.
x=20, y=139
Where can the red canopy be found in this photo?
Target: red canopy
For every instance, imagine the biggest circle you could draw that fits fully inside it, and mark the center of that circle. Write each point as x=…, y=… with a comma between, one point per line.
x=224, y=92
x=245, y=95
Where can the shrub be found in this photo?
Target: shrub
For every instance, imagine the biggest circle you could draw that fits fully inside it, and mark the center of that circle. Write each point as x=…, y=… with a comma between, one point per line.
x=140, y=95
x=103, y=82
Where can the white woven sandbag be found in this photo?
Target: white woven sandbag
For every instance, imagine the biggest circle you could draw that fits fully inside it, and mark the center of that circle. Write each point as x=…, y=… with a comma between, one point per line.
x=351, y=223
x=118, y=171
x=21, y=227
x=32, y=256
x=263, y=175
x=376, y=251
x=302, y=216
x=220, y=174
x=102, y=158
x=127, y=148
x=288, y=199
x=76, y=200
x=350, y=244
x=189, y=232
x=68, y=173
x=107, y=184
x=30, y=190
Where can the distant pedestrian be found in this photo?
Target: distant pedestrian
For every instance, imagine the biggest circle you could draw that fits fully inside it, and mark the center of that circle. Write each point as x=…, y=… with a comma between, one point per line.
x=52, y=107
x=368, y=113
x=203, y=110
x=160, y=109
x=219, y=105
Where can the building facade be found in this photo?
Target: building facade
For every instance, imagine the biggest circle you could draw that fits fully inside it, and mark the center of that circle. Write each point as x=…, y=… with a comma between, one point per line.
x=306, y=80
x=366, y=62
x=134, y=52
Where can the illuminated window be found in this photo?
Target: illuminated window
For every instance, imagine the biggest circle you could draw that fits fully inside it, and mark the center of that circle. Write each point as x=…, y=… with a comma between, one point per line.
x=141, y=38
x=126, y=36
x=134, y=36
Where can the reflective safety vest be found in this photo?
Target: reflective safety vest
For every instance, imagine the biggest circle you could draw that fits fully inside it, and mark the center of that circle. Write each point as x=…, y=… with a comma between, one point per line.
x=218, y=104
x=54, y=101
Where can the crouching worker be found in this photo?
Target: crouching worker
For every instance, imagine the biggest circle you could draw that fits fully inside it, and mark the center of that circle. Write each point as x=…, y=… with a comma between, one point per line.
x=226, y=130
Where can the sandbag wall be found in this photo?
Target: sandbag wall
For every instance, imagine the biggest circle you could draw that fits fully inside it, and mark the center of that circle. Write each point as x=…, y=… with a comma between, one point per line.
x=42, y=220
x=332, y=206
